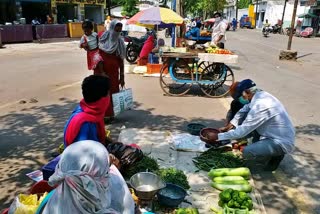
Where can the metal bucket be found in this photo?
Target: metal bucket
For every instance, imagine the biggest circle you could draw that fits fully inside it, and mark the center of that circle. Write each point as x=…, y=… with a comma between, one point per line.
x=146, y=185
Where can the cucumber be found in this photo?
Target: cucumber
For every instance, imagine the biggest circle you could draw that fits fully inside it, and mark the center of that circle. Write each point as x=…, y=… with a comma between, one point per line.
x=230, y=182
x=241, y=171
x=239, y=187
x=228, y=178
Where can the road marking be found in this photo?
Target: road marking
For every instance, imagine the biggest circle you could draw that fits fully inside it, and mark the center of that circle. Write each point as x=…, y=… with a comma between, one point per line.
x=66, y=86
x=54, y=90
x=9, y=104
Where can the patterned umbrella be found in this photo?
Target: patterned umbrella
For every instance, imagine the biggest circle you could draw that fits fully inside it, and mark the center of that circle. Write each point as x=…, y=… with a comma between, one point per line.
x=156, y=16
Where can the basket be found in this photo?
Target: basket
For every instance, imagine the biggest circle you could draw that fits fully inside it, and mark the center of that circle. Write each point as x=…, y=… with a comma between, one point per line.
x=155, y=68
x=195, y=128
x=203, y=136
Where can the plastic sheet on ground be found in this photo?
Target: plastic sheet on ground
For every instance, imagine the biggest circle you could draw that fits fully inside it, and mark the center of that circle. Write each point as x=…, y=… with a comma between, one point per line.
x=188, y=143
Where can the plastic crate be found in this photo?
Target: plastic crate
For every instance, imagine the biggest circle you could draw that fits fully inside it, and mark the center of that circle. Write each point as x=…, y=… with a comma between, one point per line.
x=155, y=68
x=153, y=59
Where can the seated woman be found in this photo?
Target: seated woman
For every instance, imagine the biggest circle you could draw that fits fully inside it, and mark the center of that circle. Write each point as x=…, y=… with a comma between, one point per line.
x=86, y=183
x=87, y=120
x=194, y=32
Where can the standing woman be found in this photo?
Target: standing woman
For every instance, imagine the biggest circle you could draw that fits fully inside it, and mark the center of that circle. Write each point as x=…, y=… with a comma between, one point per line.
x=113, y=50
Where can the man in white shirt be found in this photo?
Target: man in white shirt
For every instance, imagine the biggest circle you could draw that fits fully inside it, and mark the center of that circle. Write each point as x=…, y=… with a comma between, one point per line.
x=265, y=115
x=218, y=31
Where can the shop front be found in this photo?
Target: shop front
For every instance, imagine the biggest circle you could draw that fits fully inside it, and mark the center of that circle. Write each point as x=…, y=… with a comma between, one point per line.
x=7, y=11
x=65, y=11
x=33, y=9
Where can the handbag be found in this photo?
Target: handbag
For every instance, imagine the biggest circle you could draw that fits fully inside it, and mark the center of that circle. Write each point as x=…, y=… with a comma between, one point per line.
x=122, y=101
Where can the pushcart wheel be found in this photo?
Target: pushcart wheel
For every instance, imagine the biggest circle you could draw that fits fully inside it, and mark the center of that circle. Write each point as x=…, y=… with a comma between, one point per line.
x=181, y=72
x=221, y=77
x=203, y=65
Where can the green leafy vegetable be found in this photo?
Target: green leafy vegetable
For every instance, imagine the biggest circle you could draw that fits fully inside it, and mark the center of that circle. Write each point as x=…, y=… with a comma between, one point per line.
x=147, y=163
x=174, y=176
x=213, y=159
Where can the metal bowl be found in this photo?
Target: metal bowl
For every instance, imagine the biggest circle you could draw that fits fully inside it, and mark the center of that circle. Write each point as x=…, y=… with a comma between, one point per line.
x=171, y=196
x=146, y=185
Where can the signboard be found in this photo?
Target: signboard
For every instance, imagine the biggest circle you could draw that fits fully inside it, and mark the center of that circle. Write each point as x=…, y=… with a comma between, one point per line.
x=81, y=1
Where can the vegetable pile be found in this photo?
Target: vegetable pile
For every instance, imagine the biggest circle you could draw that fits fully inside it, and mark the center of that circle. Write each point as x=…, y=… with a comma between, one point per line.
x=231, y=178
x=147, y=163
x=187, y=211
x=174, y=176
x=213, y=159
x=235, y=199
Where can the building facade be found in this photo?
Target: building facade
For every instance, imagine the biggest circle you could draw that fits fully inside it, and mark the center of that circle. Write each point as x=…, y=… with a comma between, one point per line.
x=267, y=9
x=78, y=10
x=60, y=10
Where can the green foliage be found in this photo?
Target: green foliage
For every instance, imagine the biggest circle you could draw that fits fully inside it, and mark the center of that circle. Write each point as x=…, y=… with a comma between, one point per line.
x=244, y=3
x=202, y=7
x=129, y=7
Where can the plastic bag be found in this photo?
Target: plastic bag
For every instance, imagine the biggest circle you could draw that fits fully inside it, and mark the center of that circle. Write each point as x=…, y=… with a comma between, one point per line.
x=122, y=101
x=126, y=154
x=25, y=204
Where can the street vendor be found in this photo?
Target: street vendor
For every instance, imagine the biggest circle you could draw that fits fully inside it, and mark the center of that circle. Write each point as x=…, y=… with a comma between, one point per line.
x=265, y=115
x=236, y=104
x=218, y=31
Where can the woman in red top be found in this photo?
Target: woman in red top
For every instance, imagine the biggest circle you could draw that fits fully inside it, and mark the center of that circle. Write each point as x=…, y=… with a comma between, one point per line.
x=113, y=50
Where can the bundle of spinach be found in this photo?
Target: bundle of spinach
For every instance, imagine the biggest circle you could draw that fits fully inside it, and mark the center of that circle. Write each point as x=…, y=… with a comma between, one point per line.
x=145, y=164
x=174, y=176
x=213, y=159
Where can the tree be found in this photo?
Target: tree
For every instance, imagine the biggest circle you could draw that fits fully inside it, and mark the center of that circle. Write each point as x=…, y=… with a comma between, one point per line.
x=203, y=8
x=128, y=6
x=244, y=3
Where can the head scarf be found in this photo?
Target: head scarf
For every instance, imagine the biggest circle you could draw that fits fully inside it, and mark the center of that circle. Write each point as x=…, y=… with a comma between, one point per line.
x=82, y=176
x=111, y=42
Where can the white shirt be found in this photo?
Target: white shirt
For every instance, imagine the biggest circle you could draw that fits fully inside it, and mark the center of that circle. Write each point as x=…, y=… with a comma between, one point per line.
x=91, y=40
x=219, y=29
x=107, y=24
x=268, y=117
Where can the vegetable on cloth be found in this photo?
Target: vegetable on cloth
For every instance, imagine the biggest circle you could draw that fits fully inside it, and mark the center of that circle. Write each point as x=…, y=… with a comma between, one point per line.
x=240, y=187
x=174, y=176
x=147, y=163
x=241, y=171
x=213, y=159
x=235, y=199
x=187, y=211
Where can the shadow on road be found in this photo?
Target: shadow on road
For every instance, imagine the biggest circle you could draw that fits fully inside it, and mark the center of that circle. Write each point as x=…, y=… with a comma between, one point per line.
x=294, y=187
x=27, y=139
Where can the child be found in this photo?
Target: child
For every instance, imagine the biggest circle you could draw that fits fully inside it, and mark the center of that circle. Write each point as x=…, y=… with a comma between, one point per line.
x=89, y=42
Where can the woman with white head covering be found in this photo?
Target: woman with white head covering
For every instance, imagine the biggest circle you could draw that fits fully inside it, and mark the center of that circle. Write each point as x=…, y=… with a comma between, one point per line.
x=86, y=184
x=113, y=51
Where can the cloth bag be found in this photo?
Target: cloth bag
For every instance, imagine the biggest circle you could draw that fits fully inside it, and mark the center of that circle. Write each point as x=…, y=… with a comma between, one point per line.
x=122, y=101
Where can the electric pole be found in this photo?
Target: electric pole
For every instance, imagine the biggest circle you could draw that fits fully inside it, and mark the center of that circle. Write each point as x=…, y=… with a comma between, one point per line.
x=108, y=3
x=256, y=16
x=284, y=11
x=236, y=10
x=293, y=20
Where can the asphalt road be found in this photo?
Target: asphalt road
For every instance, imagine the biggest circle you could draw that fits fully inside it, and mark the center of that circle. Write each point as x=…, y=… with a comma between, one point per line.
x=51, y=74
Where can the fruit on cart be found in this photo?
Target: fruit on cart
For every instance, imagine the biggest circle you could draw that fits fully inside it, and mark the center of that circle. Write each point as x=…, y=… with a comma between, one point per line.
x=215, y=50
x=235, y=199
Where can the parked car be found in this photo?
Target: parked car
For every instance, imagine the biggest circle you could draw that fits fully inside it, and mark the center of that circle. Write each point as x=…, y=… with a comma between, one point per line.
x=246, y=21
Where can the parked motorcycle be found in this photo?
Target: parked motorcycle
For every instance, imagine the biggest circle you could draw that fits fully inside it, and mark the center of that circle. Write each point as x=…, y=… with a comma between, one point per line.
x=266, y=30
x=135, y=45
x=276, y=29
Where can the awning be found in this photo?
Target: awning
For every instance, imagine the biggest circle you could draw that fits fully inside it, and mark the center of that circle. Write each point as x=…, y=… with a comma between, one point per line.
x=307, y=15
x=39, y=1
